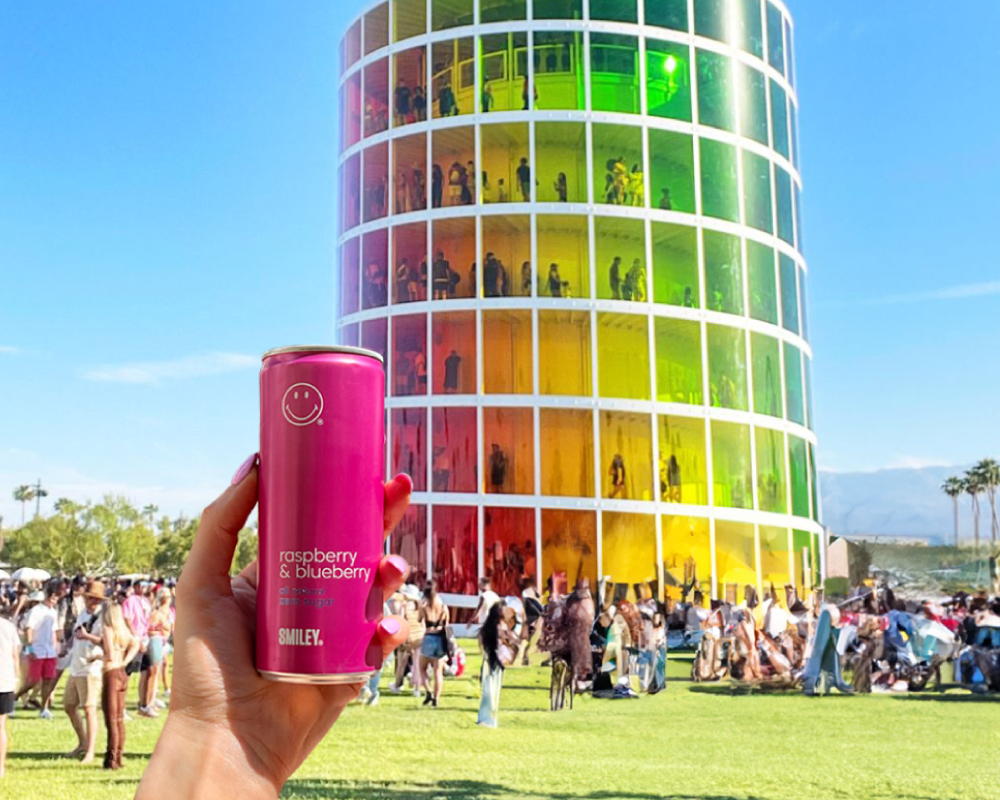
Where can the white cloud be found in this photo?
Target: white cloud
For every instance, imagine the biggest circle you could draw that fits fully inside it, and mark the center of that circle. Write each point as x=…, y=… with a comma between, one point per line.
x=961, y=292
x=155, y=372
x=9, y=350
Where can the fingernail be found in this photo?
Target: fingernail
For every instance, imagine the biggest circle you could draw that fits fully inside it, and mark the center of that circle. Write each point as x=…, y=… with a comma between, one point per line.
x=398, y=563
x=244, y=469
x=388, y=627
x=406, y=480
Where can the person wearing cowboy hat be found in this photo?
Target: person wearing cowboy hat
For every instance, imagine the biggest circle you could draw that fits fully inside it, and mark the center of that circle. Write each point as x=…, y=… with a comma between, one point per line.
x=83, y=689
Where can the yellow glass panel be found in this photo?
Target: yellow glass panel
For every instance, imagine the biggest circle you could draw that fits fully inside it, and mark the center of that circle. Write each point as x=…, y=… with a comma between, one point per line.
x=628, y=549
x=626, y=456
x=563, y=257
x=567, y=447
x=621, y=259
x=507, y=352
x=683, y=468
x=506, y=257
x=564, y=352
x=569, y=548
x=774, y=559
x=623, y=356
x=687, y=555
x=735, y=559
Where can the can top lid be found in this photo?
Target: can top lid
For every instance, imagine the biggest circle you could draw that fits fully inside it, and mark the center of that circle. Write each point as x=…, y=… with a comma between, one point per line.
x=323, y=348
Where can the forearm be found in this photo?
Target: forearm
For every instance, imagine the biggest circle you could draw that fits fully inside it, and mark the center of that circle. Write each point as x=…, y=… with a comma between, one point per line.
x=196, y=760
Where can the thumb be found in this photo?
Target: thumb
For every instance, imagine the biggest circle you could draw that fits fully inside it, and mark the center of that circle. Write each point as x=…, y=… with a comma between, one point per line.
x=211, y=554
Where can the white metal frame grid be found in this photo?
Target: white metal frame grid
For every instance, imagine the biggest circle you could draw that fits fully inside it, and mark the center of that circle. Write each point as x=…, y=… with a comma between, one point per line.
x=650, y=311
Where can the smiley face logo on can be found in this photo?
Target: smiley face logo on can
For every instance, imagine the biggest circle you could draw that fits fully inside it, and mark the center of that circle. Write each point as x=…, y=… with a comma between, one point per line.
x=302, y=404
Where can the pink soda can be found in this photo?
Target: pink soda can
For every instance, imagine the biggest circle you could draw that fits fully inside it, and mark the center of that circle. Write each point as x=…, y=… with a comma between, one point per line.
x=322, y=452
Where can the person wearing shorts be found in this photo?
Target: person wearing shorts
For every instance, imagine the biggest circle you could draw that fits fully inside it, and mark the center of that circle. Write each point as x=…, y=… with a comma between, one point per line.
x=43, y=647
x=83, y=689
x=10, y=667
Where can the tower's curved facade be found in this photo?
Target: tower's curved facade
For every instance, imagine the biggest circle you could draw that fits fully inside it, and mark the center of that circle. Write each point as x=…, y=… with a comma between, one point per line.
x=572, y=227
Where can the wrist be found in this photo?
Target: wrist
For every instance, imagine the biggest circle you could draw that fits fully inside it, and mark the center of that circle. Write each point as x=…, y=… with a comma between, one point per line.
x=196, y=759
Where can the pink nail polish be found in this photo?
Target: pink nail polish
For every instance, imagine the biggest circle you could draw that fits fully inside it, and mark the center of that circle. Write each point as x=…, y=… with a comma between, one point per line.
x=389, y=627
x=398, y=563
x=244, y=469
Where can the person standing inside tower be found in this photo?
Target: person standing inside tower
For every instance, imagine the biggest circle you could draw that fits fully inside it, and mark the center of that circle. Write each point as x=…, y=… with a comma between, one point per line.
x=441, y=274
x=486, y=97
x=555, y=282
x=403, y=103
x=524, y=180
x=562, y=188
x=617, y=473
x=451, y=366
x=498, y=469
x=437, y=186
x=615, y=278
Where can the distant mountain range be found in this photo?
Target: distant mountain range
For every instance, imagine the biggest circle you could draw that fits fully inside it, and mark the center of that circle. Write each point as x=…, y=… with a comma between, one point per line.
x=897, y=502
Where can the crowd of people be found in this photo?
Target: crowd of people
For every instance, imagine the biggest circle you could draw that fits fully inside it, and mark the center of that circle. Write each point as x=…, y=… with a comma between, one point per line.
x=99, y=634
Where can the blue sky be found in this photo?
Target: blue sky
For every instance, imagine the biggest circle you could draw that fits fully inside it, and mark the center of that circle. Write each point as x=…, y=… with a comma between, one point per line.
x=167, y=214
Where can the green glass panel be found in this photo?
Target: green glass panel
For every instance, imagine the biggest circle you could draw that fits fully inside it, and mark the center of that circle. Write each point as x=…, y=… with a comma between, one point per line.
x=667, y=14
x=620, y=249
x=727, y=367
x=763, y=284
x=675, y=265
x=809, y=394
x=715, y=91
x=711, y=19
x=783, y=189
x=502, y=10
x=790, y=49
x=732, y=474
x=614, y=10
x=775, y=558
x=668, y=79
x=814, y=483
x=772, y=490
x=793, y=127
x=789, y=295
x=779, y=119
x=451, y=14
x=798, y=460
x=503, y=72
x=614, y=72
x=775, y=43
x=671, y=165
x=683, y=475
x=798, y=216
x=757, y=191
x=678, y=361
x=753, y=103
x=803, y=306
x=617, y=171
x=558, y=9
x=766, y=375
x=793, y=384
x=623, y=356
x=723, y=273
x=751, y=28
x=719, y=181
x=559, y=70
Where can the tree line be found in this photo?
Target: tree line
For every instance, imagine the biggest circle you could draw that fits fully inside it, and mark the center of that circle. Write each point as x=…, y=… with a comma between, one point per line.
x=106, y=538
x=979, y=480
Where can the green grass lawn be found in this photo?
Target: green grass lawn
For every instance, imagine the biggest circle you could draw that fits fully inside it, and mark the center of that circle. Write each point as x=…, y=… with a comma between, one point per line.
x=693, y=741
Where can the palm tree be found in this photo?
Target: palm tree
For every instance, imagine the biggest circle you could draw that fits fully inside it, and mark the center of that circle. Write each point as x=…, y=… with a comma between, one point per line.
x=973, y=488
x=954, y=488
x=988, y=471
x=24, y=494
x=149, y=512
x=38, y=493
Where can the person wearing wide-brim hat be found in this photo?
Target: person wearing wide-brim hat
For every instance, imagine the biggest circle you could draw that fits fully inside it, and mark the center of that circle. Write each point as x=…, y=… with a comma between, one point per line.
x=83, y=688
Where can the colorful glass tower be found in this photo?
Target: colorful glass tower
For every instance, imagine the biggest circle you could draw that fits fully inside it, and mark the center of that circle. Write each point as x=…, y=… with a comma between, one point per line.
x=572, y=227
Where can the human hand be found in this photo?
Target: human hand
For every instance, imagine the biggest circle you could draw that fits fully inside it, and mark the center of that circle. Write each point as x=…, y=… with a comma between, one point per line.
x=229, y=731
